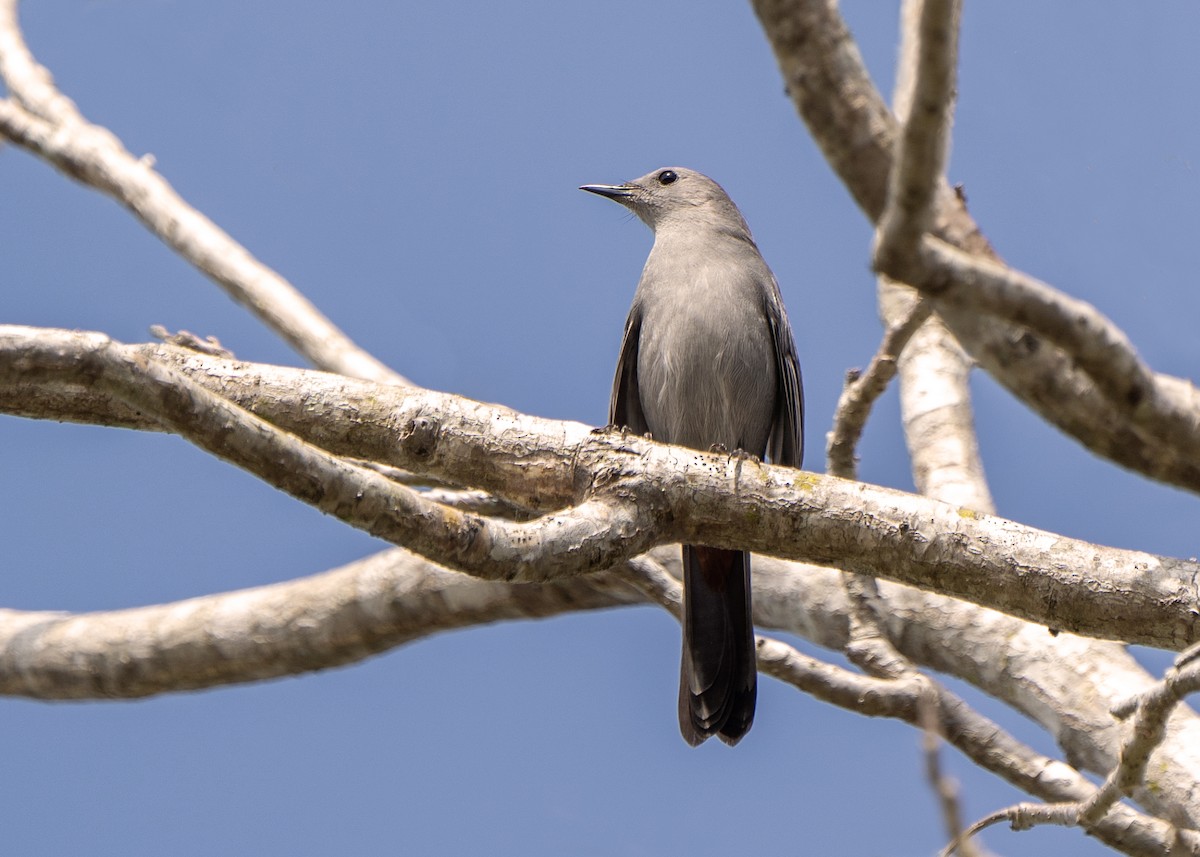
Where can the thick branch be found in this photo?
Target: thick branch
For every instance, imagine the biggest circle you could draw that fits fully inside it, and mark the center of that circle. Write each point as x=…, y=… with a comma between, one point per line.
x=1157, y=407
x=631, y=493
x=935, y=408
x=457, y=440
x=374, y=604
x=590, y=536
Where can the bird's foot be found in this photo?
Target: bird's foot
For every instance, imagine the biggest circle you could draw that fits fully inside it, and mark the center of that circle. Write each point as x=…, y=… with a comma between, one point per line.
x=624, y=431
x=739, y=455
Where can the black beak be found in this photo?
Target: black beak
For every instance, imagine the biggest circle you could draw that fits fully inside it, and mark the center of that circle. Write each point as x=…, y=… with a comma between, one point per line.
x=612, y=191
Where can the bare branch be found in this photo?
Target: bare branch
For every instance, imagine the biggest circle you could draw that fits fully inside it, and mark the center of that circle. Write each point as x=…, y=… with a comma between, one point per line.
x=935, y=408
x=833, y=93
x=350, y=613
x=926, y=103
x=914, y=177
x=1157, y=407
x=41, y=120
x=559, y=464
x=327, y=620
x=868, y=646
x=1148, y=732
x=437, y=439
x=651, y=578
x=391, y=598
x=925, y=79
x=1020, y=817
x=383, y=601
x=28, y=82
x=838, y=58
x=1150, y=727
x=576, y=541
x=917, y=700
x=935, y=400
x=978, y=738
x=932, y=367
x=636, y=493
x=597, y=474
x=944, y=787
x=861, y=392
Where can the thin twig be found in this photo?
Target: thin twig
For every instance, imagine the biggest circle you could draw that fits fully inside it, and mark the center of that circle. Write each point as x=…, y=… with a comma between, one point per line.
x=863, y=389
x=1153, y=709
x=981, y=740
x=944, y=788
x=915, y=699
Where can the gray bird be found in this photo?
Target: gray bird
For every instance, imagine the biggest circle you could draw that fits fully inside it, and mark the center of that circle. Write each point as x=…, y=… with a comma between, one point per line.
x=708, y=360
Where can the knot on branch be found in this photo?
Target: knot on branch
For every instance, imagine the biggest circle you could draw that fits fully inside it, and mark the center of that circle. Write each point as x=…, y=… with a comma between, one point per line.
x=420, y=438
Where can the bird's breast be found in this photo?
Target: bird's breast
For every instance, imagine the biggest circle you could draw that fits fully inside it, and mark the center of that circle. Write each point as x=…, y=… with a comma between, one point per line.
x=706, y=366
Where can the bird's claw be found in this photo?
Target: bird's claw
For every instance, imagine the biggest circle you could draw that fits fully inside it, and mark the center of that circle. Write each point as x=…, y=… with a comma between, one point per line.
x=624, y=431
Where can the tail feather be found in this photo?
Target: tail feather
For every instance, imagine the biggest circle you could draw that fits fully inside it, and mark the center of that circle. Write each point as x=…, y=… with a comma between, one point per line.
x=719, y=669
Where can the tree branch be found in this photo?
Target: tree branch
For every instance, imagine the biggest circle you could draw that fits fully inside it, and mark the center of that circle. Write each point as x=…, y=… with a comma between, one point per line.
x=911, y=699
x=628, y=494
x=833, y=94
x=863, y=389
x=925, y=101
x=944, y=787
x=935, y=408
x=1147, y=734
x=327, y=620
x=981, y=740
x=350, y=613
x=42, y=121
x=1157, y=407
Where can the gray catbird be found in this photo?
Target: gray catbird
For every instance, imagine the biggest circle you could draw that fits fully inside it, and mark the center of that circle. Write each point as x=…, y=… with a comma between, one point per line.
x=707, y=360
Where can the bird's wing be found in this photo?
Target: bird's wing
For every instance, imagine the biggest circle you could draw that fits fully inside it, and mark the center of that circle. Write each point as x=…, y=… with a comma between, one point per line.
x=625, y=407
x=786, y=446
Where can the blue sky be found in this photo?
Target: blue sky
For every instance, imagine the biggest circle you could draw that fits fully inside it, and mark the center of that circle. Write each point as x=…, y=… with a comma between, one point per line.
x=412, y=168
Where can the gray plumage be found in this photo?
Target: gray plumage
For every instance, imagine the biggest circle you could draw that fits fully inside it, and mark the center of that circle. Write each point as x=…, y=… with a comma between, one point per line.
x=708, y=359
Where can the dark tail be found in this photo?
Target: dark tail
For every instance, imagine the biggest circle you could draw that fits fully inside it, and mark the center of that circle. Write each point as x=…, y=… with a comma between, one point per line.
x=719, y=672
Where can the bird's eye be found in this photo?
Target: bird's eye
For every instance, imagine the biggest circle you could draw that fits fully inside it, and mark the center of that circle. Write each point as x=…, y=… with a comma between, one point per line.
x=667, y=177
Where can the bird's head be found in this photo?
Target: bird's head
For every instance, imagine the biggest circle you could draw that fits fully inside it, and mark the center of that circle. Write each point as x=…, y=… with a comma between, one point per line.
x=674, y=195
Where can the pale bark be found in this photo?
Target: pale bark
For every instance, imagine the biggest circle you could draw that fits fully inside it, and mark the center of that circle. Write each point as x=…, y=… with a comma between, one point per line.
x=558, y=504
x=41, y=119
x=831, y=90
x=627, y=494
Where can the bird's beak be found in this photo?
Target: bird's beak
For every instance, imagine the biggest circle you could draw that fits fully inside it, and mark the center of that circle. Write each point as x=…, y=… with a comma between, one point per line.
x=612, y=191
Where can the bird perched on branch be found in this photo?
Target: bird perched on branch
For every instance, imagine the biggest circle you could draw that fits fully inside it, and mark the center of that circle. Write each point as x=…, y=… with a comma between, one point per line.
x=707, y=362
